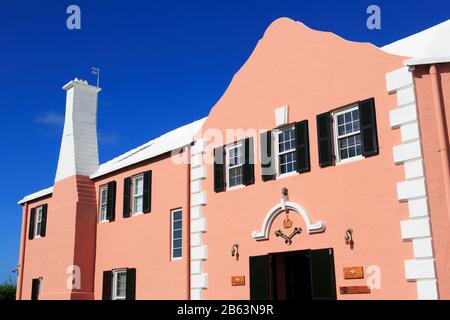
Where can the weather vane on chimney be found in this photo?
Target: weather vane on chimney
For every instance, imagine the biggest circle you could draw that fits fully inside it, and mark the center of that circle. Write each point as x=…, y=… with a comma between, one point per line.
x=96, y=71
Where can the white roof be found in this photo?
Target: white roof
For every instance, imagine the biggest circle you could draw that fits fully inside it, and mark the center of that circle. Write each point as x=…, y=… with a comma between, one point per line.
x=428, y=46
x=172, y=140
x=37, y=195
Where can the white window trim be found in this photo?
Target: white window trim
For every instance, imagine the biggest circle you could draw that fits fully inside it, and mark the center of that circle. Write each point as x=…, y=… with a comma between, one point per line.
x=41, y=286
x=114, y=284
x=235, y=145
x=101, y=220
x=134, y=196
x=276, y=140
x=172, y=239
x=37, y=221
x=335, y=114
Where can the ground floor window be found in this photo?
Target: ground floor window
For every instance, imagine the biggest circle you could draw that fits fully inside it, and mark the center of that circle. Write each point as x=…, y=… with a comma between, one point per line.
x=119, y=284
x=36, y=288
x=177, y=231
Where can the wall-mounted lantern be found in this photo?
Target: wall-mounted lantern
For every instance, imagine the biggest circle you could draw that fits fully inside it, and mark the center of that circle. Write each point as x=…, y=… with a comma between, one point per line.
x=349, y=238
x=235, y=251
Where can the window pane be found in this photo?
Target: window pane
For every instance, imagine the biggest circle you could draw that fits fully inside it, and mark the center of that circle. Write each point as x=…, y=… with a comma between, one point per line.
x=177, y=234
x=176, y=225
x=138, y=204
x=287, y=162
x=176, y=215
x=121, y=284
x=177, y=253
x=235, y=176
x=177, y=243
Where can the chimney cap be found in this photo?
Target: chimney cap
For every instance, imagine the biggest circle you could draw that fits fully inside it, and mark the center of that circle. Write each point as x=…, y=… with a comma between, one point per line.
x=79, y=82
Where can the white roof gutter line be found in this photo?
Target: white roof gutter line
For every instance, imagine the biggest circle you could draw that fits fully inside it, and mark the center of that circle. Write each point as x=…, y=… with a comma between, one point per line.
x=426, y=60
x=36, y=195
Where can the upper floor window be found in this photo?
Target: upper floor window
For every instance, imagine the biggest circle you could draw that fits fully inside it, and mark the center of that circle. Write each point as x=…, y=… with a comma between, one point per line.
x=234, y=165
x=38, y=222
x=347, y=134
x=138, y=192
x=119, y=291
x=103, y=203
x=177, y=234
x=287, y=157
x=38, y=225
x=235, y=162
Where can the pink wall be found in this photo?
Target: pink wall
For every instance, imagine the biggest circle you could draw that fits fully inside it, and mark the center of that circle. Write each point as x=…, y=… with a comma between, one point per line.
x=312, y=72
x=433, y=168
x=144, y=241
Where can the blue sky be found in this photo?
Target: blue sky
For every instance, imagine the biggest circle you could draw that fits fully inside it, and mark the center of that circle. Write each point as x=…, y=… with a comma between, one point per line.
x=159, y=59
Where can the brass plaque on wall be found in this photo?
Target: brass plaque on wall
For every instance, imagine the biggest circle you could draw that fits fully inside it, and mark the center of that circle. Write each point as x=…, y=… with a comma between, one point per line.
x=238, y=281
x=354, y=290
x=354, y=273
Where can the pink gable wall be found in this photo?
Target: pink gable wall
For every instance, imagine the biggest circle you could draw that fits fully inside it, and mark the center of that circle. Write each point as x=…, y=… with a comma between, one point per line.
x=312, y=72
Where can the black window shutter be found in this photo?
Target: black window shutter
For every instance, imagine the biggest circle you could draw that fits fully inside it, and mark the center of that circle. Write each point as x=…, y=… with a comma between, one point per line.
x=131, y=284
x=324, y=140
x=107, y=285
x=35, y=289
x=111, y=201
x=302, y=146
x=259, y=278
x=368, y=123
x=31, y=228
x=323, y=282
x=267, y=169
x=126, y=197
x=44, y=220
x=219, y=169
x=248, y=167
x=147, y=192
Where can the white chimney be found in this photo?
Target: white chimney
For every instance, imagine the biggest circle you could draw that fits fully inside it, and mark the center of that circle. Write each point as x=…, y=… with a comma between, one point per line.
x=79, y=149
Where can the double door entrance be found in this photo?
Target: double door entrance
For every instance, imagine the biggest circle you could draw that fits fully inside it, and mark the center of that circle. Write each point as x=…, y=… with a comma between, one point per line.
x=293, y=275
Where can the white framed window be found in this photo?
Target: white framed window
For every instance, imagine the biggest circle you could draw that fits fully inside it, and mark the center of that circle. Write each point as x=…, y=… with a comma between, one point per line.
x=347, y=134
x=38, y=221
x=138, y=193
x=103, y=203
x=119, y=287
x=234, y=164
x=41, y=286
x=286, y=159
x=177, y=234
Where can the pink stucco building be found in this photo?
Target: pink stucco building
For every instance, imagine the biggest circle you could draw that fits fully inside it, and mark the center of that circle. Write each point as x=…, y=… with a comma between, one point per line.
x=321, y=173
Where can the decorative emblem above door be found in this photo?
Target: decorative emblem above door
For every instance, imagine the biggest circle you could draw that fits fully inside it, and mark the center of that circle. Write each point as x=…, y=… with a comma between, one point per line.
x=288, y=239
x=280, y=207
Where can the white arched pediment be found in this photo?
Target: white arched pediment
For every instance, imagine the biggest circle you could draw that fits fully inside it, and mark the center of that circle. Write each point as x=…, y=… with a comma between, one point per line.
x=263, y=234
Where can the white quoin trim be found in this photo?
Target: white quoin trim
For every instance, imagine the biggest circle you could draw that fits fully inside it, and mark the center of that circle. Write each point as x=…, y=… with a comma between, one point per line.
x=413, y=190
x=199, y=224
x=79, y=149
x=317, y=227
